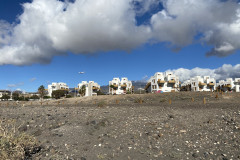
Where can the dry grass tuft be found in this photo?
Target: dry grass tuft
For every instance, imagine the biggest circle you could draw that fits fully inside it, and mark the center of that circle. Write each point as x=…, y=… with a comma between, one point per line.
x=102, y=104
x=139, y=100
x=15, y=145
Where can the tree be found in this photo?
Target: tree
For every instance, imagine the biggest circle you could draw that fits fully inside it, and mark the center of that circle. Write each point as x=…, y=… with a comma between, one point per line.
x=82, y=90
x=15, y=96
x=34, y=97
x=41, y=91
x=58, y=94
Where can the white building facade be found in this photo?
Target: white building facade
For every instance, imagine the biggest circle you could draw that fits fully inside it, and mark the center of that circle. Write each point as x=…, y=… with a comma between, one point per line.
x=205, y=83
x=163, y=82
x=226, y=85
x=57, y=86
x=123, y=86
x=91, y=88
x=237, y=84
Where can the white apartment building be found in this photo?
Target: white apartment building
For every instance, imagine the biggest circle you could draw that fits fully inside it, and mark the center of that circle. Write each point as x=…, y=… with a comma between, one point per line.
x=117, y=86
x=186, y=85
x=227, y=85
x=57, y=86
x=5, y=92
x=163, y=82
x=91, y=88
x=203, y=84
x=237, y=84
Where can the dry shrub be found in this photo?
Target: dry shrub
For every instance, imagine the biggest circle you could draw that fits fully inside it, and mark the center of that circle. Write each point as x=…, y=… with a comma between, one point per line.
x=15, y=145
x=162, y=100
x=102, y=104
x=139, y=100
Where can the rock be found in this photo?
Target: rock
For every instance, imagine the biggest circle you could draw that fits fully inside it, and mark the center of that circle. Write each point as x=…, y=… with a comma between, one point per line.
x=23, y=128
x=37, y=133
x=182, y=131
x=195, y=155
x=93, y=122
x=83, y=158
x=206, y=154
x=171, y=116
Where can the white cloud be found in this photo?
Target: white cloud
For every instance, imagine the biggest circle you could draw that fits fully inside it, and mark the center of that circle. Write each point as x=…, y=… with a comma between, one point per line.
x=217, y=21
x=49, y=28
x=33, y=79
x=15, y=85
x=226, y=71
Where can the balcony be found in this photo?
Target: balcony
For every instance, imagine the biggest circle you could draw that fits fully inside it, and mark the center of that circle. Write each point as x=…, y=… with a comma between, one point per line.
x=227, y=86
x=201, y=84
x=95, y=88
x=161, y=81
x=114, y=86
x=147, y=86
x=211, y=84
x=123, y=85
x=172, y=81
x=64, y=89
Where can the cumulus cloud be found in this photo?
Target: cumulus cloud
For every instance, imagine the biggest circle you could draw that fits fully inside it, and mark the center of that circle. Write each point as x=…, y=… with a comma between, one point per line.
x=217, y=21
x=48, y=28
x=221, y=73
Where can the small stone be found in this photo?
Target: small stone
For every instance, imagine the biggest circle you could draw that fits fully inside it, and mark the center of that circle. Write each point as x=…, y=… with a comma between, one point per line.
x=22, y=129
x=205, y=154
x=37, y=133
x=160, y=153
x=182, y=131
x=195, y=155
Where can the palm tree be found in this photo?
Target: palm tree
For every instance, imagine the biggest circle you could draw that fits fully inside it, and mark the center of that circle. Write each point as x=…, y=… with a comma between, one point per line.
x=41, y=91
x=82, y=90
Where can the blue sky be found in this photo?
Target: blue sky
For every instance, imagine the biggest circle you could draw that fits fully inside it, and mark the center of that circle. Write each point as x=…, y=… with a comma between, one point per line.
x=101, y=66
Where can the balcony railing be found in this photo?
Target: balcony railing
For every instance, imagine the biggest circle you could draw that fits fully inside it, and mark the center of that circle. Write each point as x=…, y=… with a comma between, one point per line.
x=172, y=81
x=148, y=84
x=227, y=85
x=123, y=85
x=201, y=84
x=211, y=84
x=161, y=81
x=94, y=87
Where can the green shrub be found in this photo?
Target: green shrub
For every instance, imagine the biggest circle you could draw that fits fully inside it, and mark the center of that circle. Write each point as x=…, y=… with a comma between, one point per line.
x=58, y=94
x=68, y=96
x=46, y=97
x=5, y=97
x=34, y=97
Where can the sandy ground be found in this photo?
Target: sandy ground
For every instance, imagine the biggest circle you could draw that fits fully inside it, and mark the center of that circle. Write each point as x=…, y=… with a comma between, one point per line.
x=163, y=126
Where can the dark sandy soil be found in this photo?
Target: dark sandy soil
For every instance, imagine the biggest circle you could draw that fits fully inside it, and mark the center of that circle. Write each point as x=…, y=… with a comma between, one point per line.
x=121, y=128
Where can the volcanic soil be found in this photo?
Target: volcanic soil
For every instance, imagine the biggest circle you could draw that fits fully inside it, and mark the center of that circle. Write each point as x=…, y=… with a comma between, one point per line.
x=183, y=125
